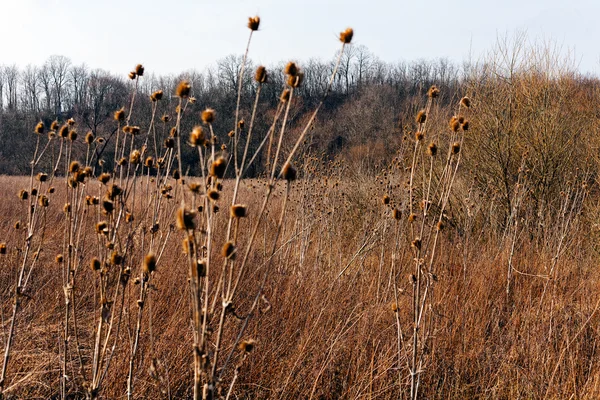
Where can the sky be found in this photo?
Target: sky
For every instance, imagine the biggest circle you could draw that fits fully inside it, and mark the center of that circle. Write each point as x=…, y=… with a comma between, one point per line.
x=170, y=37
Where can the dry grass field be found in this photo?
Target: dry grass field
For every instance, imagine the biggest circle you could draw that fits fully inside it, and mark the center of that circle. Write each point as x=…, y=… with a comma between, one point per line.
x=464, y=267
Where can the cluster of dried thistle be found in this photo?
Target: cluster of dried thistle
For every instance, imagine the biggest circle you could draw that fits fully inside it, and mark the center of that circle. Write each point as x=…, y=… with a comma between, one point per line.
x=120, y=213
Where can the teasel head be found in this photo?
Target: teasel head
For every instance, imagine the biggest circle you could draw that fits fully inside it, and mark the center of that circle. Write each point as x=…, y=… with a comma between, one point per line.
x=64, y=131
x=72, y=135
x=291, y=69
x=253, y=23
x=247, y=346
x=156, y=96
x=197, y=136
x=186, y=219
x=208, y=116
x=239, y=211
x=295, y=80
x=107, y=206
x=134, y=157
x=228, y=250
x=194, y=187
x=23, y=194
x=289, y=172
x=149, y=264
x=59, y=258
x=455, y=148
x=465, y=102
x=120, y=115
x=385, y=199
x=129, y=217
x=89, y=138
x=432, y=149
x=67, y=208
x=169, y=143
x=433, y=92
x=39, y=128
x=2, y=248
x=213, y=194
x=149, y=162
x=113, y=191
x=416, y=243
x=51, y=190
x=183, y=89
x=419, y=136
x=440, y=226
x=74, y=167
x=42, y=177
x=346, y=36
x=165, y=118
x=201, y=268
x=54, y=125
x=95, y=264
x=34, y=192
x=217, y=168
x=116, y=258
x=285, y=96
x=176, y=174
x=73, y=183
x=465, y=125
x=421, y=117
x=261, y=75
x=396, y=214
x=139, y=70
x=132, y=75
x=17, y=225
x=188, y=245
x=412, y=217
x=454, y=124
x=104, y=178
x=43, y=201
x=134, y=130
x=173, y=132
x=70, y=122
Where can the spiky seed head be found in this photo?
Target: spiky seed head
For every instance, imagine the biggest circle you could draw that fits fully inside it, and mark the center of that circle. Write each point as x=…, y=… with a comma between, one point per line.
x=291, y=69
x=2, y=248
x=208, y=116
x=289, y=172
x=186, y=219
x=131, y=75
x=194, y=187
x=197, y=136
x=59, y=258
x=396, y=214
x=247, y=345
x=419, y=136
x=129, y=217
x=183, y=89
x=201, y=268
x=67, y=208
x=261, y=75
x=23, y=194
x=433, y=92
x=416, y=243
x=43, y=201
x=219, y=186
x=394, y=307
x=135, y=130
x=64, y=131
x=454, y=124
x=113, y=191
x=54, y=125
x=70, y=122
x=95, y=264
x=461, y=119
x=192, y=100
x=173, y=132
x=455, y=148
x=165, y=118
x=107, y=206
x=421, y=117
x=176, y=174
x=156, y=96
x=215, y=208
x=17, y=225
x=253, y=23
x=386, y=199
x=465, y=102
x=104, y=178
x=51, y=135
x=149, y=265
x=169, y=143
x=34, y=192
x=139, y=70
x=346, y=36
x=120, y=115
x=412, y=217
x=295, y=80
x=217, y=168
x=465, y=125
x=74, y=167
x=213, y=194
x=440, y=226
x=134, y=157
x=39, y=128
x=239, y=211
x=89, y=138
x=228, y=250
x=432, y=149
x=72, y=135
x=285, y=96
x=42, y=177
x=116, y=258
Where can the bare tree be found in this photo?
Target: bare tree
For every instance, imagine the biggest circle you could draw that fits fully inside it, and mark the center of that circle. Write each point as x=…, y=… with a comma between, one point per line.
x=58, y=67
x=31, y=89
x=11, y=75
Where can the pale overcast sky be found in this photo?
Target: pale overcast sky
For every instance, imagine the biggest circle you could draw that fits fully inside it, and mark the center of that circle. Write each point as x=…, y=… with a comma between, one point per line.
x=177, y=35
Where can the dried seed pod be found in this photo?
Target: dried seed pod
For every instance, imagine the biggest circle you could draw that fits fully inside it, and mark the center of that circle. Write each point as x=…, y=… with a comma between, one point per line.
x=346, y=36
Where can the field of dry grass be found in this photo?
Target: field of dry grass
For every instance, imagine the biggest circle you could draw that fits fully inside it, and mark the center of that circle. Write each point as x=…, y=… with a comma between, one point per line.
x=465, y=267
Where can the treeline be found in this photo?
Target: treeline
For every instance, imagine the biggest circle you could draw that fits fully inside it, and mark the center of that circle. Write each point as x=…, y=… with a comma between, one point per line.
x=59, y=90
